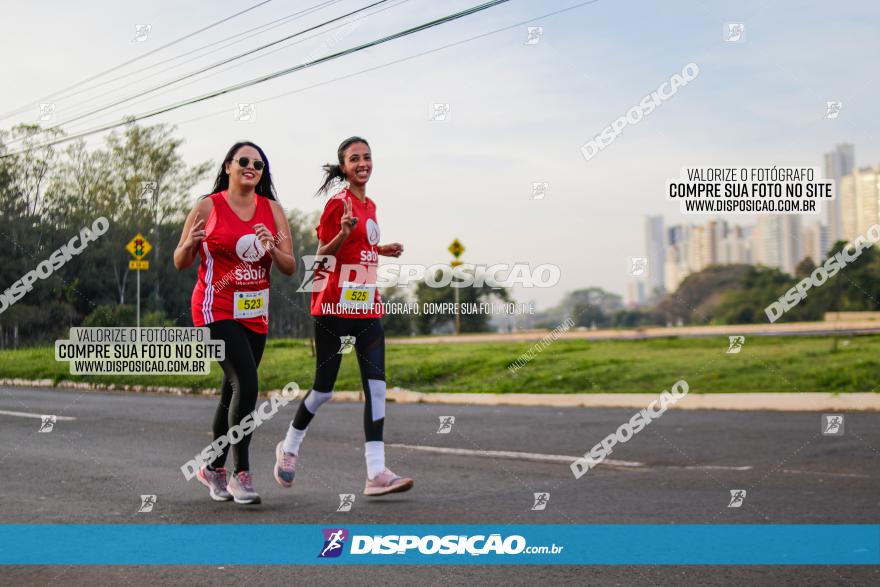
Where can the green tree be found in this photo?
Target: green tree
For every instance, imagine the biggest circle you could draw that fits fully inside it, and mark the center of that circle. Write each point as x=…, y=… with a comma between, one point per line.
x=47, y=196
x=744, y=300
x=472, y=322
x=398, y=324
x=290, y=309
x=700, y=294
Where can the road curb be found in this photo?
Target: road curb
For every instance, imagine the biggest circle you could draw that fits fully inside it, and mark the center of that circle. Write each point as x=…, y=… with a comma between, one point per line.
x=782, y=402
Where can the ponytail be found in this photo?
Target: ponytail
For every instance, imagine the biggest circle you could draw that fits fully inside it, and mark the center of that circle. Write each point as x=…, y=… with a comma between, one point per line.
x=333, y=172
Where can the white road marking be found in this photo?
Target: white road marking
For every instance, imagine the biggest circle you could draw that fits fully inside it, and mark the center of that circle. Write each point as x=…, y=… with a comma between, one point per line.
x=719, y=468
x=545, y=458
x=825, y=473
x=37, y=416
x=509, y=454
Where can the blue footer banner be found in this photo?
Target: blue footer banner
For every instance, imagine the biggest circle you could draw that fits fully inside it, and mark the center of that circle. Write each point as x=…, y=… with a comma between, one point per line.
x=284, y=544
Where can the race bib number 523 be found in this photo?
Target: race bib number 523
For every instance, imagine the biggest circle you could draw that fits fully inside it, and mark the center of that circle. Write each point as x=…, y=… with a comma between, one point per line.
x=250, y=304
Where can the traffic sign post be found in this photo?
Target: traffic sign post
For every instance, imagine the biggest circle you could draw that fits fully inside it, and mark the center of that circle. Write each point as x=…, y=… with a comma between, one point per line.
x=456, y=248
x=138, y=247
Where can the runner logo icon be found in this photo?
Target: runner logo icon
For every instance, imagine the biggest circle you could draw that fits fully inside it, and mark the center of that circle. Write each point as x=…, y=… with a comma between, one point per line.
x=832, y=425
x=737, y=497
x=334, y=541
x=541, y=500
x=318, y=267
x=347, y=343
x=47, y=423
x=147, y=504
x=736, y=344
x=446, y=423
x=346, y=500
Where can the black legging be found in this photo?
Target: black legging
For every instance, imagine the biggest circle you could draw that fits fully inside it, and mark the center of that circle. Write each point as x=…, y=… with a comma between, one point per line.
x=369, y=345
x=238, y=395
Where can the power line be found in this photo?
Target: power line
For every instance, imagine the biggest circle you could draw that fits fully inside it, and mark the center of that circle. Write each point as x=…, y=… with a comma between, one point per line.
x=246, y=61
x=210, y=67
x=274, y=75
x=396, y=61
x=130, y=61
x=265, y=26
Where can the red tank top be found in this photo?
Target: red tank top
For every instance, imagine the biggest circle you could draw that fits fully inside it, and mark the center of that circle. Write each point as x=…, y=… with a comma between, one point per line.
x=350, y=289
x=233, y=282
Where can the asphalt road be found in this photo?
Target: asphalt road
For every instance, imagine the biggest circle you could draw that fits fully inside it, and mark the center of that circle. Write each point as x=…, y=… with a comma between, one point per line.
x=93, y=469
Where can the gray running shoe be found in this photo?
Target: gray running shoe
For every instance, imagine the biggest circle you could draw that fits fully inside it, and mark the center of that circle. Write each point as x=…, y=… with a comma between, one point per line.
x=241, y=486
x=215, y=481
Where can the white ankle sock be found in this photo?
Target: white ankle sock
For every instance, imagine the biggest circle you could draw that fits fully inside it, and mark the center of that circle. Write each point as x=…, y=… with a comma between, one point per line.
x=374, y=451
x=293, y=440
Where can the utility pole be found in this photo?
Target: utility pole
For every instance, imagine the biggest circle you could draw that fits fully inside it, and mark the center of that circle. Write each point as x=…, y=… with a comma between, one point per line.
x=456, y=248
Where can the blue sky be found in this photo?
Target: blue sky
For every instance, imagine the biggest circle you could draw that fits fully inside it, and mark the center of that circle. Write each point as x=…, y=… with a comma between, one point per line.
x=519, y=113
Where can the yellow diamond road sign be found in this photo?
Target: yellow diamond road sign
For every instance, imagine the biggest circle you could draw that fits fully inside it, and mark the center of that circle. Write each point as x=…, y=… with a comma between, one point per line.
x=138, y=247
x=456, y=248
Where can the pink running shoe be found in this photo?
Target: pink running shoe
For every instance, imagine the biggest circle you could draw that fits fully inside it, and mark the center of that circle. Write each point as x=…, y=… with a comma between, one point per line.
x=285, y=466
x=387, y=482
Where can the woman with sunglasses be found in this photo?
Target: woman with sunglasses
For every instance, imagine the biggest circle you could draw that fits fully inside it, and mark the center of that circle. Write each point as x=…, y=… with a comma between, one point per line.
x=238, y=232
x=348, y=307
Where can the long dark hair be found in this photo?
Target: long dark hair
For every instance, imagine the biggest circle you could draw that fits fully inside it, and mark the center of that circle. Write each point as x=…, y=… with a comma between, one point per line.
x=265, y=188
x=332, y=171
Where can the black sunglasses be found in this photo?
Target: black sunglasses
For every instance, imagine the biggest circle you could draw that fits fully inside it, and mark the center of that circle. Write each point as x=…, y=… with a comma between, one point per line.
x=245, y=161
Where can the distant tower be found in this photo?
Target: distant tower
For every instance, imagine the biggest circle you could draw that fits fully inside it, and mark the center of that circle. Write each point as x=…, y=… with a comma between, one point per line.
x=655, y=250
x=838, y=163
x=778, y=241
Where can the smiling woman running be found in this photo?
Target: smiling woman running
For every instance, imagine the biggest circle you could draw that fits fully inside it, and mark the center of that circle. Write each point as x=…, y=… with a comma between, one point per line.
x=238, y=231
x=348, y=307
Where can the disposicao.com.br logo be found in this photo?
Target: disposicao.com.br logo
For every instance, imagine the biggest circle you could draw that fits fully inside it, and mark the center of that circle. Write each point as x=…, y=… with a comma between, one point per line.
x=334, y=540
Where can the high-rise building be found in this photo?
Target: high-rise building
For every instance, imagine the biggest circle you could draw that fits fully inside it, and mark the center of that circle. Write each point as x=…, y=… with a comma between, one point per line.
x=692, y=248
x=696, y=249
x=859, y=201
x=711, y=237
x=777, y=241
x=655, y=250
x=635, y=294
x=867, y=211
x=792, y=235
x=810, y=242
x=815, y=243
x=838, y=163
x=768, y=241
x=824, y=242
x=674, y=269
x=734, y=245
x=849, y=209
